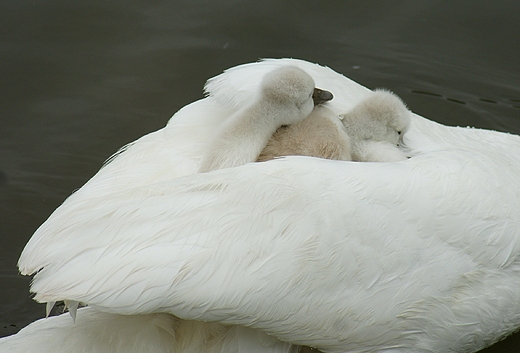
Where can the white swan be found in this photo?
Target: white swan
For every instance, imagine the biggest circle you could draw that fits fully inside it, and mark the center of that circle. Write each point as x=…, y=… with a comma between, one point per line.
x=286, y=97
x=421, y=255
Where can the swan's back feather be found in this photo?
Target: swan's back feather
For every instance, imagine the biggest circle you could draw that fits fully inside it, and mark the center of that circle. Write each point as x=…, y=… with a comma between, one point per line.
x=99, y=332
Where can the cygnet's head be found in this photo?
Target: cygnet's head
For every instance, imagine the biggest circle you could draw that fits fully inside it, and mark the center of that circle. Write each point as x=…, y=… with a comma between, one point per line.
x=381, y=117
x=290, y=86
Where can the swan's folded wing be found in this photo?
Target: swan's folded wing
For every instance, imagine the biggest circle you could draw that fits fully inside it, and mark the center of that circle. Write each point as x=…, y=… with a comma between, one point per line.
x=165, y=154
x=293, y=246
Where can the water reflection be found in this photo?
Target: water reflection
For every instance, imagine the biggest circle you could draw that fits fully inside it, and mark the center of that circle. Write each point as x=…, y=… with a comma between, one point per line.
x=79, y=80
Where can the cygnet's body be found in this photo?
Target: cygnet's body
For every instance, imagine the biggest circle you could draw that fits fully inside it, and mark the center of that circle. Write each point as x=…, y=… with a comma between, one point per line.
x=286, y=97
x=321, y=135
x=376, y=126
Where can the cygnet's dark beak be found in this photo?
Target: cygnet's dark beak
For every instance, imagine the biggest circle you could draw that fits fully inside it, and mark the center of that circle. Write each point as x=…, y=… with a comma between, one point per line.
x=319, y=96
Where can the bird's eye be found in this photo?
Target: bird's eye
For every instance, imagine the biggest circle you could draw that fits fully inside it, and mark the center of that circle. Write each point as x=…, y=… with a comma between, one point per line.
x=399, y=132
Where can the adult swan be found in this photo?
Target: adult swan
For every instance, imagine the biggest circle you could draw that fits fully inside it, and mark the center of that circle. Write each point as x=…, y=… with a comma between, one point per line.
x=420, y=255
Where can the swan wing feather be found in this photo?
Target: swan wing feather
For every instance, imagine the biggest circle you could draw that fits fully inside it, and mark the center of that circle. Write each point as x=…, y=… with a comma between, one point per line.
x=292, y=246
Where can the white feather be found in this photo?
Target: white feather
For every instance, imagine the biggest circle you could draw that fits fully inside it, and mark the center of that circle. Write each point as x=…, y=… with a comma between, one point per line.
x=98, y=332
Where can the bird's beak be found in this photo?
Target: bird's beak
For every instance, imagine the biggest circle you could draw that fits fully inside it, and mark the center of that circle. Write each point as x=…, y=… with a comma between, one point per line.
x=319, y=96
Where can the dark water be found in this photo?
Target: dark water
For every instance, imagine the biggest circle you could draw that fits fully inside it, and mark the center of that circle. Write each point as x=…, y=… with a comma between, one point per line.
x=80, y=79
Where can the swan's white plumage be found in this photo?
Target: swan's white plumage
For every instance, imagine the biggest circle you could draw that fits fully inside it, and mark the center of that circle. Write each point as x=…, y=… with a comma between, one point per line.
x=99, y=332
x=95, y=332
x=415, y=256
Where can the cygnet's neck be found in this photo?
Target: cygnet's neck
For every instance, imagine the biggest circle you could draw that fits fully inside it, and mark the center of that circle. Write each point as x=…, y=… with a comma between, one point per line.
x=245, y=135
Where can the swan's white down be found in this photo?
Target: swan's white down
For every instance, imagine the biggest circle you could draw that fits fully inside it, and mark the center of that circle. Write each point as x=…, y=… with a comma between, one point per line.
x=413, y=256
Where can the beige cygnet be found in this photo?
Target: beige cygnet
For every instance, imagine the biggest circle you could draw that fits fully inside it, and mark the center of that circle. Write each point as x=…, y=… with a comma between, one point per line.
x=376, y=127
x=321, y=135
x=286, y=97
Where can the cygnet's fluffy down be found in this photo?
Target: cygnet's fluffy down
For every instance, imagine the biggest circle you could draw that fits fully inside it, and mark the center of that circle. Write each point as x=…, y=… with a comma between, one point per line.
x=376, y=126
x=371, y=132
x=321, y=134
x=286, y=97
